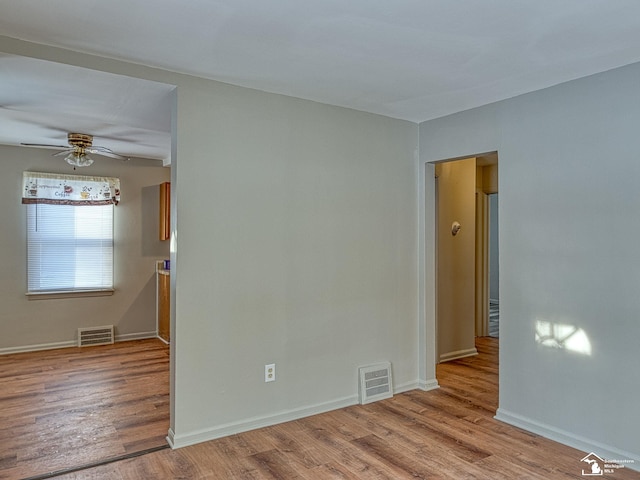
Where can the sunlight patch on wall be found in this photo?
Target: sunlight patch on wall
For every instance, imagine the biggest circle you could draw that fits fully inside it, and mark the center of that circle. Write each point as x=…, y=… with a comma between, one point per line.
x=563, y=336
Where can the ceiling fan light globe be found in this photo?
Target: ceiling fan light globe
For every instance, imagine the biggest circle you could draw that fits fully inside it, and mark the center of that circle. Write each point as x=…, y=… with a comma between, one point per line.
x=79, y=159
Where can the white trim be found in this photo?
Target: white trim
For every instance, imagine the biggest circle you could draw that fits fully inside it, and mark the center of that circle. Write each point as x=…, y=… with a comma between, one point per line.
x=428, y=385
x=568, y=438
x=38, y=347
x=70, y=294
x=126, y=337
x=198, y=436
x=170, y=438
x=72, y=343
x=469, y=352
x=427, y=352
x=406, y=387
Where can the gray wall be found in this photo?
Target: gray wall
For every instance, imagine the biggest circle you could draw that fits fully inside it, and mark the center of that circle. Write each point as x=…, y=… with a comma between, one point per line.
x=295, y=243
x=568, y=254
x=28, y=323
x=296, y=246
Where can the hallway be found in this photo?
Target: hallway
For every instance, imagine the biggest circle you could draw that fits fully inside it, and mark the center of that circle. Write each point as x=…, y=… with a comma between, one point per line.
x=494, y=318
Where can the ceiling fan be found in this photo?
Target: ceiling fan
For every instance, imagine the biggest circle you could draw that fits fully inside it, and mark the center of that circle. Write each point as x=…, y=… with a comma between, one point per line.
x=80, y=145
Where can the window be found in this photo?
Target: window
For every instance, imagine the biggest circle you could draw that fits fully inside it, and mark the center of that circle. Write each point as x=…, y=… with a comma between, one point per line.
x=69, y=248
x=69, y=233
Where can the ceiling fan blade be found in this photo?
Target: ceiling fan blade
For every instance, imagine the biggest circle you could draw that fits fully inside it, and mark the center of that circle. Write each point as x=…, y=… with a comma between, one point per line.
x=62, y=152
x=98, y=149
x=106, y=153
x=112, y=155
x=44, y=145
x=66, y=149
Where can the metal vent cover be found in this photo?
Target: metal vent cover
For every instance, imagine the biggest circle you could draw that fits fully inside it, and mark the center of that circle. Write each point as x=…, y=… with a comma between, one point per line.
x=90, y=336
x=375, y=382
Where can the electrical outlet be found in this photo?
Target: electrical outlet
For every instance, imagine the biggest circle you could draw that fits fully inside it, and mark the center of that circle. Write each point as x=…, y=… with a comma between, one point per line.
x=270, y=372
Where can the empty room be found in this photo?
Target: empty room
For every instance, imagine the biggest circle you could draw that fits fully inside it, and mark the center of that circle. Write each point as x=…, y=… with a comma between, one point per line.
x=281, y=310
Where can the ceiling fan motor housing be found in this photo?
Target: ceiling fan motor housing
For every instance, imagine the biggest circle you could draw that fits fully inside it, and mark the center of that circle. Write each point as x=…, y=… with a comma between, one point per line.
x=81, y=140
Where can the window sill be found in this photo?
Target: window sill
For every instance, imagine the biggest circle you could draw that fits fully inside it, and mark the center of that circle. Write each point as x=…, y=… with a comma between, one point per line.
x=69, y=294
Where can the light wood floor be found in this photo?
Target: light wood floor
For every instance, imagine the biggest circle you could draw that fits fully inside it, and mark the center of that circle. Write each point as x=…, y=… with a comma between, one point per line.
x=74, y=406
x=447, y=433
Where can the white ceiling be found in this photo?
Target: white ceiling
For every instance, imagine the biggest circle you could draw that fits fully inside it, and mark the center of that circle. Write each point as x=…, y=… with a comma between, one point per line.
x=40, y=102
x=408, y=59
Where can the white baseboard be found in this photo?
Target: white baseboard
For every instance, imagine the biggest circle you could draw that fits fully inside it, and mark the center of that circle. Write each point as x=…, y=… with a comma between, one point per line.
x=586, y=445
x=41, y=346
x=169, y=438
x=427, y=385
x=198, y=436
x=127, y=337
x=191, y=438
x=447, y=357
x=72, y=343
x=405, y=387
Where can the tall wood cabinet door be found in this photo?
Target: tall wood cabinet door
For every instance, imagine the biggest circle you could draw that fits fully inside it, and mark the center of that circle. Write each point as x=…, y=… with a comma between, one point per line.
x=164, y=308
x=165, y=211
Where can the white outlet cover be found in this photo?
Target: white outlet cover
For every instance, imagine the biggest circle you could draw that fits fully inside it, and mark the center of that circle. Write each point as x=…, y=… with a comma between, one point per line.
x=270, y=372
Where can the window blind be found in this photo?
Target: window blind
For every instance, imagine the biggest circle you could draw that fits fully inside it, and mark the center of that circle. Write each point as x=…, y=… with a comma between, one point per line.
x=69, y=248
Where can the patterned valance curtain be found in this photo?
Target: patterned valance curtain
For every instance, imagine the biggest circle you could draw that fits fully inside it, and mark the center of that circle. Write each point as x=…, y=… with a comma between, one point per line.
x=59, y=189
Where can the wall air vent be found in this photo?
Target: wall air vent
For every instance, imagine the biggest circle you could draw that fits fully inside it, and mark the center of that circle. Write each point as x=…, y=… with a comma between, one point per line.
x=95, y=336
x=375, y=382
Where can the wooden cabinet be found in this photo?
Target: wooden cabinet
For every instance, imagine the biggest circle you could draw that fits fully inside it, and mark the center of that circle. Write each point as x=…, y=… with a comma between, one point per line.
x=165, y=211
x=164, y=305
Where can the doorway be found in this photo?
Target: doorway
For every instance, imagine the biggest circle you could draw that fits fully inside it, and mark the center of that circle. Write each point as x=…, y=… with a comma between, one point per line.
x=494, y=268
x=60, y=412
x=465, y=191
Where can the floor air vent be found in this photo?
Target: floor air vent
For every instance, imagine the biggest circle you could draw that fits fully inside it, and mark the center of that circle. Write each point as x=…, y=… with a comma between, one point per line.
x=95, y=336
x=375, y=383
